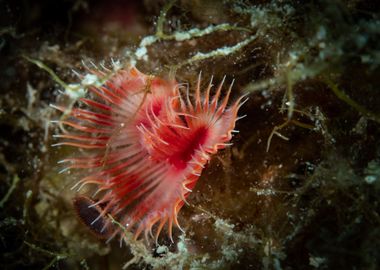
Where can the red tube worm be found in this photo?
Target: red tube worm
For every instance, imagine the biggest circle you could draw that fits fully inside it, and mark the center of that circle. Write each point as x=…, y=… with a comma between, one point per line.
x=147, y=144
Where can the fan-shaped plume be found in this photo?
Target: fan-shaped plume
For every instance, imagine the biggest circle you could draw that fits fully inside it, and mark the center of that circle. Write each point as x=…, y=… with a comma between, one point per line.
x=146, y=145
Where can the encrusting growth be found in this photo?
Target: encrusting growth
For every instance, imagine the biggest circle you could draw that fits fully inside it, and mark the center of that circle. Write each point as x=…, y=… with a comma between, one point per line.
x=147, y=143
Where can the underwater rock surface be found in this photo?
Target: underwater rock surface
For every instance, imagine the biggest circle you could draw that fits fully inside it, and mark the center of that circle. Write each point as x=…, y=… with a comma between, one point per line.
x=298, y=189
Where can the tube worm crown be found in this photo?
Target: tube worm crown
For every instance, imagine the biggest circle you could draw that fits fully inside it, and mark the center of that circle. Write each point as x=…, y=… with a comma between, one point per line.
x=146, y=145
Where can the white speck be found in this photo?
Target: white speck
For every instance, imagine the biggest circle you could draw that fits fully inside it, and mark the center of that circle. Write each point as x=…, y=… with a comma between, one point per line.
x=180, y=36
x=316, y=261
x=149, y=40
x=162, y=249
x=90, y=79
x=75, y=91
x=370, y=179
x=141, y=53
